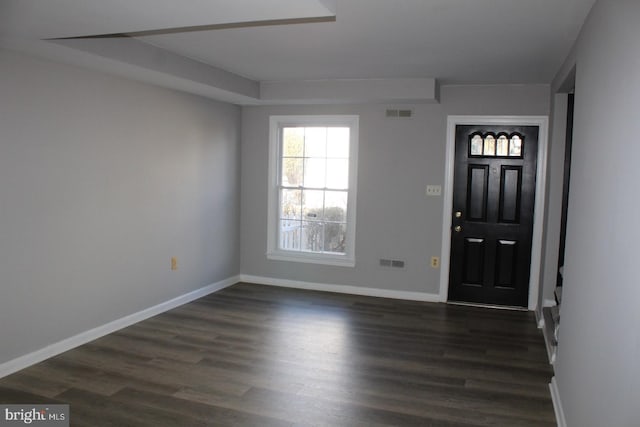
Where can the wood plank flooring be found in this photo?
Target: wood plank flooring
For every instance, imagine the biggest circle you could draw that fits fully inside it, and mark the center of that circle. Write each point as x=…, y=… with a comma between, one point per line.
x=253, y=355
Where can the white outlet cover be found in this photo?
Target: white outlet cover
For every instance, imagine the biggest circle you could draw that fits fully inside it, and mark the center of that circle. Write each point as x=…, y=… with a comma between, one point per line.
x=434, y=190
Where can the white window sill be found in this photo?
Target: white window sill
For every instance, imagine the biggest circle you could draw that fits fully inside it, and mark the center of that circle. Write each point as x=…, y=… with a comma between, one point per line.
x=312, y=258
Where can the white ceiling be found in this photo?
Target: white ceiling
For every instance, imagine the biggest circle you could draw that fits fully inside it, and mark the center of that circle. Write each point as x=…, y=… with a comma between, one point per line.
x=454, y=41
x=74, y=18
x=462, y=41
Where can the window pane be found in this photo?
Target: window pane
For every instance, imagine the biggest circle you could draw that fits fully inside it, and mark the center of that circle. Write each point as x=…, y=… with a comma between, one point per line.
x=335, y=237
x=315, y=142
x=335, y=206
x=312, y=236
x=476, y=146
x=291, y=204
x=290, y=234
x=292, y=171
x=489, y=146
x=313, y=205
x=338, y=173
x=338, y=143
x=515, y=148
x=503, y=146
x=314, y=173
x=292, y=142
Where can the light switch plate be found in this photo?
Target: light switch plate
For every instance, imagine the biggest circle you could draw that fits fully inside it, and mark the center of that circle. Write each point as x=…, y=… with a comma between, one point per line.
x=434, y=190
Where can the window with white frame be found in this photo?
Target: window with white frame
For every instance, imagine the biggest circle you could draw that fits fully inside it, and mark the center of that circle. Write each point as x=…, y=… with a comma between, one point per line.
x=313, y=174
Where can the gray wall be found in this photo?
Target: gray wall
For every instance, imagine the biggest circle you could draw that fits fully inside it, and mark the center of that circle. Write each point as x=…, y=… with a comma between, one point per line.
x=102, y=181
x=598, y=362
x=397, y=159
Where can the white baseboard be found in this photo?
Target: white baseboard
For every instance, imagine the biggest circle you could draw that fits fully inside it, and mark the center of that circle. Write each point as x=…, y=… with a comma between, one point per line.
x=539, y=320
x=37, y=356
x=557, y=404
x=551, y=349
x=342, y=289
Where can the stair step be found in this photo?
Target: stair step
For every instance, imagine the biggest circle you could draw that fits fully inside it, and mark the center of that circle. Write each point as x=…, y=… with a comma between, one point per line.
x=558, y=293
x=551, y=325
x=555, y=314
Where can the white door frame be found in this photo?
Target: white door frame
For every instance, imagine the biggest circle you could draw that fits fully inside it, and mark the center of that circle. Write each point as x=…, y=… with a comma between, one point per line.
x=538, y=218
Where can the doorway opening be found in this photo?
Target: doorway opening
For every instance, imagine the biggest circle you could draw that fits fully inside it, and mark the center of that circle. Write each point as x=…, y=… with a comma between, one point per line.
x=551, y=311
x=565, y=194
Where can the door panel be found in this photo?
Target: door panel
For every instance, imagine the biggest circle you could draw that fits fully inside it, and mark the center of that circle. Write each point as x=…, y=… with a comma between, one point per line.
x=473, y=261
x=492, y=225
x=510, y=185
x=477, y=192
x=506, y=263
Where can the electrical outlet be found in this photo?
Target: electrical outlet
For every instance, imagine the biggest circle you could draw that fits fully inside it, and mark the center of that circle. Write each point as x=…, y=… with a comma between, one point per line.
x=435, y=262
x=433, y=190
x=174, y=263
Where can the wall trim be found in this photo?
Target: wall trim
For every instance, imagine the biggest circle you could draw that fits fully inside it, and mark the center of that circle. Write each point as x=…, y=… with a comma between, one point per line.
x=54, y=349
x=341, y=289
x=538, y=218
x=557, y=404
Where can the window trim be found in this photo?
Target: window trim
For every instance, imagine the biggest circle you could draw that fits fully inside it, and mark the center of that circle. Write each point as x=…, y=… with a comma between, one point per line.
x=276, y=123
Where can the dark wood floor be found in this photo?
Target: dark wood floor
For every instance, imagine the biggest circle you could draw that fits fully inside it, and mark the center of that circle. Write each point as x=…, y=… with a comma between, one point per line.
x=252, y=355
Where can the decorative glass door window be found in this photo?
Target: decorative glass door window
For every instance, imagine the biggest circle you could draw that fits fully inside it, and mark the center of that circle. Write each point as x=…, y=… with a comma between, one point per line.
x=489, y=146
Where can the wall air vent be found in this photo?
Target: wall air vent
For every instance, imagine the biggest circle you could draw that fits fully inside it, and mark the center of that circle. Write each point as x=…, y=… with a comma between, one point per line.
x=396, y=263
x=393, y=113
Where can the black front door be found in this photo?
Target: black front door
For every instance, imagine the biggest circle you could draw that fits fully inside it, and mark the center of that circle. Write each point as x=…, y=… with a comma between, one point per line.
x=493, y=204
